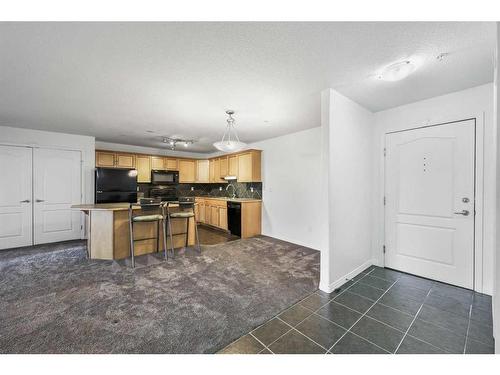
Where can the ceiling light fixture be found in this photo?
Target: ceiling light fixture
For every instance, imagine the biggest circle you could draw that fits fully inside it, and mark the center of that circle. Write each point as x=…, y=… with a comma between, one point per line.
x=397, y=71
x=172, y=142
x=230, y=141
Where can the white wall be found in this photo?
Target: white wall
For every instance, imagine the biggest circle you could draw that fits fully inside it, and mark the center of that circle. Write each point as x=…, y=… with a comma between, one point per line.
x=476, y=102
x=38, y=138
x=496, y=255
x=291, y=173
x=348, y=128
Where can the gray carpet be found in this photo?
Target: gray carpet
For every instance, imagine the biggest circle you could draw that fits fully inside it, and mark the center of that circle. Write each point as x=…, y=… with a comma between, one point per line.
x=53, y=300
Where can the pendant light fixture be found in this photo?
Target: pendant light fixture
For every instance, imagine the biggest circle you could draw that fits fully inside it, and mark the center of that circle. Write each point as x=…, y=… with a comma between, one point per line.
x=230, y=141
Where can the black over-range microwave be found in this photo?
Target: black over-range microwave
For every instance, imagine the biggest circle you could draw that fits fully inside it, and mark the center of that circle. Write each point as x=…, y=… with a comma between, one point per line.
x=159, y=177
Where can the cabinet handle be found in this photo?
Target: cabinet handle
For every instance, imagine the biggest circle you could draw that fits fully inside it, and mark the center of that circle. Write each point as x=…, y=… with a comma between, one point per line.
x=39, y=200
x=25, y=201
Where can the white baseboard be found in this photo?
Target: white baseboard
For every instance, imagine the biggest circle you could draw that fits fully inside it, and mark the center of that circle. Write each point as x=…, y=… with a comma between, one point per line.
x=341, y=281
x=291, y=240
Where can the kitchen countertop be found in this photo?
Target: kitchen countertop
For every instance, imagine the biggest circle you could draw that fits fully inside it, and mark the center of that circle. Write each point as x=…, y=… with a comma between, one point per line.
x=107, y=206
x=227, y=199
x=124, y=206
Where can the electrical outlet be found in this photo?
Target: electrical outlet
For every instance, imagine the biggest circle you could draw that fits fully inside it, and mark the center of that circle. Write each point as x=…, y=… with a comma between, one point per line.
x=192, y=188
x=220, y=188
x=251, y=189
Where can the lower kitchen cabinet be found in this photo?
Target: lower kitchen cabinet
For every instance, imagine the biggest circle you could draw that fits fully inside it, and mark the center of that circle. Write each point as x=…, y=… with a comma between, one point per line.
x=223, y=218
x=214, y=216
x=213, y=212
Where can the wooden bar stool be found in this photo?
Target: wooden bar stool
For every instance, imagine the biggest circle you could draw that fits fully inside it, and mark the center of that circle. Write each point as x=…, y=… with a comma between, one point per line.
x=152, y=211
x=186, y=211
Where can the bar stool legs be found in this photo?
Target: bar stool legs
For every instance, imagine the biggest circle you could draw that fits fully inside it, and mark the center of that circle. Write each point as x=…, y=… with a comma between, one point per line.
x=171, y=236
x=131, y=226
x=197, y=236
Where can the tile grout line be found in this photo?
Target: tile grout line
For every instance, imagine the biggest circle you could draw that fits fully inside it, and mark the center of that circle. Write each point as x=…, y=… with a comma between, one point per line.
x=413, y=321
x=307, y=337
x=313, y=312
x=338, y=295
x=361, y=317
x=265, y=347
x=468, y=326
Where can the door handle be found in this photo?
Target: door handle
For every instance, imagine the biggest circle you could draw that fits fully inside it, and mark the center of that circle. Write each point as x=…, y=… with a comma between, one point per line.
x=463, y=212
x=25, y=201
x=39, y=200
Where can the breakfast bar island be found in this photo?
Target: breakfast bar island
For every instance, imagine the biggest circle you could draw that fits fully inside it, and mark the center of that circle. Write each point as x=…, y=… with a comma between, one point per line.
x=108, y=234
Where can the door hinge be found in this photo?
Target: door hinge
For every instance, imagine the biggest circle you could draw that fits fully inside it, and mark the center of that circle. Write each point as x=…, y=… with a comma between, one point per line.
x=383, y=248
x=385, y=151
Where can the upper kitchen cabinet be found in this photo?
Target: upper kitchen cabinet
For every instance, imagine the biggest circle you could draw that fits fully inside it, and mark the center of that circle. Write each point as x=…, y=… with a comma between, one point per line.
x=114, y=159
x=104, y=159
x=172, y=164
x=232, y=165
x=187, y=170
x=202, y=171
x=158, y=163
x=143, y=166
x=125, y=160
x=223, y=167
x=246, y=167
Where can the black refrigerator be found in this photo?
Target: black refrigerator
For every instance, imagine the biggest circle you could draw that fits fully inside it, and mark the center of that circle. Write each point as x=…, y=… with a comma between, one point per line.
x=114, y=185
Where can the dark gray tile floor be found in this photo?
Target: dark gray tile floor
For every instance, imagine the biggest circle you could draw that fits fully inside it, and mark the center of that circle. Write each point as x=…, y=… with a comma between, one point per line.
x=379, y=311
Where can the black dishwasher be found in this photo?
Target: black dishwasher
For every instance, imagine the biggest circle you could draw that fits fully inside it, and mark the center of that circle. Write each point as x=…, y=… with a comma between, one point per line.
x=234, y=218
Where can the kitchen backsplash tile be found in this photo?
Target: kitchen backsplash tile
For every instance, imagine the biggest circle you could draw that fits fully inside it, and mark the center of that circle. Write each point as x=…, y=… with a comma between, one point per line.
x=242, y=190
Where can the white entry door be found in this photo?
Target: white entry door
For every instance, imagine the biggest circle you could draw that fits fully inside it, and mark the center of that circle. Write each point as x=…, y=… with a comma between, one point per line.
x=57, y=185
x=15, y=197
x=429, y=189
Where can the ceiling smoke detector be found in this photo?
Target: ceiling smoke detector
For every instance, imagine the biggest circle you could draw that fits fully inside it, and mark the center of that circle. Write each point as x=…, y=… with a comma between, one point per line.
x=397, y=71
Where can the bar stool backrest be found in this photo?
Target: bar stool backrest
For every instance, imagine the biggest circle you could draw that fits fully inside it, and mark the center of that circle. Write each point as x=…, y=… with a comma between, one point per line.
x=186, y=204
x=149, y=206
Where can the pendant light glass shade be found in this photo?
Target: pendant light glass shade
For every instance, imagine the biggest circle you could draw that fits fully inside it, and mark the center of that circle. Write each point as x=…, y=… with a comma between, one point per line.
x=230, y=141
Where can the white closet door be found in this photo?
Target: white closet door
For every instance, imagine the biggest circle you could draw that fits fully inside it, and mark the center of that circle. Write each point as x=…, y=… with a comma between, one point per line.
x=15, y=197
x=57, y=185
x=430, y=202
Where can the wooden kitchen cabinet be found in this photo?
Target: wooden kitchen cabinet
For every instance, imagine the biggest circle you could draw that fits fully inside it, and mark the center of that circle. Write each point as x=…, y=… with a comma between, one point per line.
x=249, y=166
x=245, y=166
x=124, y=160
x=158, y=163
x=214, y=216
x=104, y=159
x=143, y=166
x=202, y=171
x=233, y=165
x=217, y=170
x=171, y=164
x=223, y=167
x=201, y=212
x=114, y=159
x=187, y=171
x=211, y=172
x=223, y=218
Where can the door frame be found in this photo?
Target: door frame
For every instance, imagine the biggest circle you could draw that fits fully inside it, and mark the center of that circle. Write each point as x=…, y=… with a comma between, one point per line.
x=82, y=182
x=477, y=267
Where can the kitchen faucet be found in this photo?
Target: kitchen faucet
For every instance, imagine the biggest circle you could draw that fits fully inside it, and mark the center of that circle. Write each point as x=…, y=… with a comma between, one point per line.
x=234, y=190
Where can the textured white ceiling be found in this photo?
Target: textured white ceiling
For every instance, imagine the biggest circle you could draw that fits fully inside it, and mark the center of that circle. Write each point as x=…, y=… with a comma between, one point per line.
x=122, y=81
